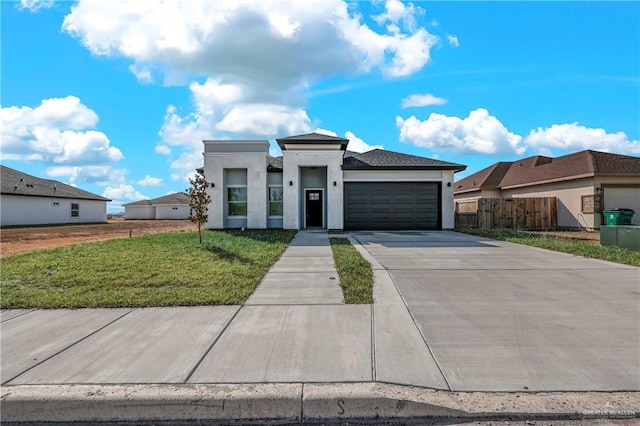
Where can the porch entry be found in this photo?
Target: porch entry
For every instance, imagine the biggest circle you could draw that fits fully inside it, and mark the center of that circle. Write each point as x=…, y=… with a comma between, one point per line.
x=313, y=207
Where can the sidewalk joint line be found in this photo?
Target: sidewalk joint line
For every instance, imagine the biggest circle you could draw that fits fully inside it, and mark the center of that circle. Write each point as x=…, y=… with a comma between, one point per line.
x=18, y=316
x=193, y=370
x=69, y=346
x=424, y=339
x=373, y=343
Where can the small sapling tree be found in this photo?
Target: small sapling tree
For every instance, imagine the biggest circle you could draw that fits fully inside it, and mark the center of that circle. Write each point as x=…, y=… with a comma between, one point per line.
x=199, y=201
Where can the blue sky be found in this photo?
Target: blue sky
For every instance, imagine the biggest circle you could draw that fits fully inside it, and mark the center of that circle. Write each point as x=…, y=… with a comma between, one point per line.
x=115, y=96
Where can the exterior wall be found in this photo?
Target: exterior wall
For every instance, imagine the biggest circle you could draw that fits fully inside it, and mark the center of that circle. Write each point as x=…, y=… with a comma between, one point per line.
x=29, y=210
x=569, y=198
x=172, y=211
x=482, y=193
x=139, y=212
x=255, y=162
x=293, y=161
x=443, y=176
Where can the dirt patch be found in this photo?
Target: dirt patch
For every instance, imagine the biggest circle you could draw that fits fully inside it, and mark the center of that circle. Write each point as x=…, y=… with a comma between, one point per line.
x=587, y=237
x=20, y=240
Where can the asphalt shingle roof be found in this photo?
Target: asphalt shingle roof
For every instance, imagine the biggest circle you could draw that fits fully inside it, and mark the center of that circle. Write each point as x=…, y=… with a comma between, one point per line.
x=177, y=198
x=18, y=183
x=540, y=168
x=384, y=159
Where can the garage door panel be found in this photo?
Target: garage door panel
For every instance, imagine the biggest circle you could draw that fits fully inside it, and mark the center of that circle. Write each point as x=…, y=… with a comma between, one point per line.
x=392, y=205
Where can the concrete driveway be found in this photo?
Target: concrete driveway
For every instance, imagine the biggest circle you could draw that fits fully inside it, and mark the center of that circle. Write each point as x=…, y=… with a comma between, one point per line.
x=498, y=316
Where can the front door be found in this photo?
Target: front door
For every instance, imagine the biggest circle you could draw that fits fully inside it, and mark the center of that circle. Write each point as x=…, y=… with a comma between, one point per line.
x=313, y=208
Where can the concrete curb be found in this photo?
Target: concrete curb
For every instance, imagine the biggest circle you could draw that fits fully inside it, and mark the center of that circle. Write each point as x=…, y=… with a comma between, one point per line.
x=297, y=402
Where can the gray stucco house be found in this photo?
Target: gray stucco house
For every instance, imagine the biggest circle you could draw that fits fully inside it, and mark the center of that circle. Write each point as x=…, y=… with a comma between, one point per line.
x=317, y=183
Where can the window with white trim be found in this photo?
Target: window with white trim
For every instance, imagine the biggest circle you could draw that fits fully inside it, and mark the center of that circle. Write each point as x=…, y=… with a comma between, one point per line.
x=275, y=201
x=75, y=210
x=237, y=200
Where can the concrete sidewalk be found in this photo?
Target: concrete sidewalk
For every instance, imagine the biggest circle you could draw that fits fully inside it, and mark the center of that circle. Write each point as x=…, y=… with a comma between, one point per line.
x=294, y=351
x=294, y=328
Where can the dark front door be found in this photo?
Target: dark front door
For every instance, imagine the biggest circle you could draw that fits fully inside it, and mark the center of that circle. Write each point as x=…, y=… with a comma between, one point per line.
x=313, y=208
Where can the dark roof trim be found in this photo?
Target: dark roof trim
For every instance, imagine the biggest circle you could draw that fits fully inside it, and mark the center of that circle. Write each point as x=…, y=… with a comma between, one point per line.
x=313, y=139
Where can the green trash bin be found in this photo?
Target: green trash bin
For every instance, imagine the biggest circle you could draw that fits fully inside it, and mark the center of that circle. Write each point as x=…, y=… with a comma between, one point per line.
x=627, y=214
x=617, y=217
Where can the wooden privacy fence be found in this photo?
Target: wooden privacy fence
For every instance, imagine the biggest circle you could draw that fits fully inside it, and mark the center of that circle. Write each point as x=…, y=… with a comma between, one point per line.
x=538, y=213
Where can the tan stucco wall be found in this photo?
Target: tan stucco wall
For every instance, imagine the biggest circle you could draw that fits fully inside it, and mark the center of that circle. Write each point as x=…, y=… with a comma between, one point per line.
x=569, y=201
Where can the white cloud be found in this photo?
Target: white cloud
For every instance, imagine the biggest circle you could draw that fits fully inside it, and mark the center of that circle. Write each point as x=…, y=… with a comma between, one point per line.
x=266, y=120
x=53, y=132
x=186, y=165
x=150, y=181
x=395, y=12
x=98, y=175
x=284, y=42
x=122, y=194
x=355, y=143
x=186, y=131
x=574, y=137
x=478, y=133
x=358, y=145
x=143, y=74
x=453, y=40
x=213, y=93
x=325, y=132
x=259, y=57
x=35, y=5
x=163, y=149
x=417, y=100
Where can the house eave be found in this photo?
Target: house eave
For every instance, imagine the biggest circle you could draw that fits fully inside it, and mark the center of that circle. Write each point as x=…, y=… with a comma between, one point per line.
x=548, y=181
x=56, y=196
x=455, y=169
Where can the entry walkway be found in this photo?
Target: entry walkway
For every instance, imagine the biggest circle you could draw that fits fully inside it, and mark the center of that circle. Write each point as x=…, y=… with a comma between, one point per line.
x=304, y=275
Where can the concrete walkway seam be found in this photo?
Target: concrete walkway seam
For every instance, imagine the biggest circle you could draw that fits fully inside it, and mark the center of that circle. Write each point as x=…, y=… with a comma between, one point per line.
x=193, y=370
x=379, y=268
x=68, y=346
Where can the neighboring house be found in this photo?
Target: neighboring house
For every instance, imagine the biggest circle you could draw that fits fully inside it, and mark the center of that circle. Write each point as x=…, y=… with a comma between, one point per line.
x=318, y=184
x=585, y=183
x=29, y=200
x=172, y=206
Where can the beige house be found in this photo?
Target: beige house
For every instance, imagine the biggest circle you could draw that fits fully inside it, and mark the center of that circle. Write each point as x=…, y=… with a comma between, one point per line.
x=585, y=183
x=169, y=207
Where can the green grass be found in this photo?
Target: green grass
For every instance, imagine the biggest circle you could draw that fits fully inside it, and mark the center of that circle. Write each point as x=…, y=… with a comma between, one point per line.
x=169, y=269
x=356, y=276
x=578, y=248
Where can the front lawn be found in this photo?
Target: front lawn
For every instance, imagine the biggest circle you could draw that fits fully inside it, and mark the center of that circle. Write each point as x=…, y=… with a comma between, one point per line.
x=578, y=248
x=168, y=269
x=356, y=276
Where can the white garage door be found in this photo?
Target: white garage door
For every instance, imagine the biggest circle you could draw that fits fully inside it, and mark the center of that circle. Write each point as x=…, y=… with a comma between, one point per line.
x=623, y=198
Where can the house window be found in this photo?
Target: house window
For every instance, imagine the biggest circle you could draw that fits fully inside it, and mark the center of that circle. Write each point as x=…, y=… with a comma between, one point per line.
x=314, y=196
x=75, y=210
x=237, y=200
x=275, y=201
